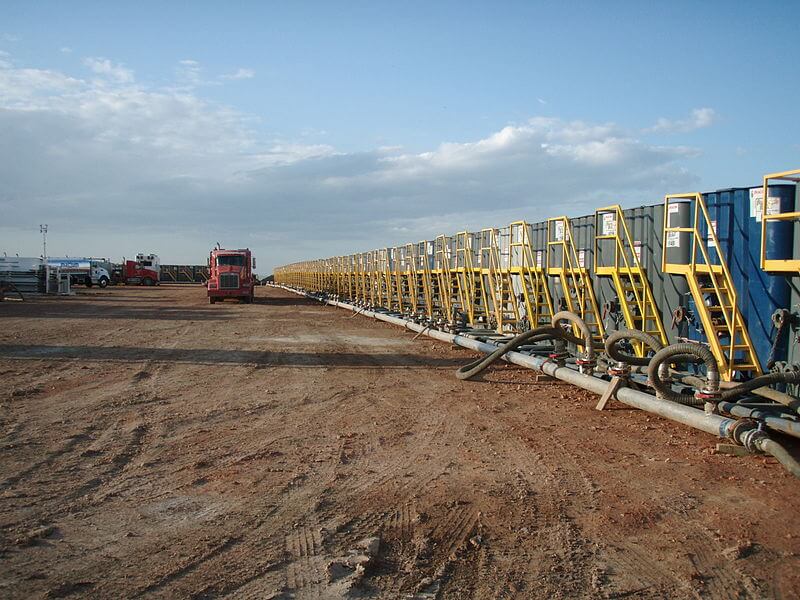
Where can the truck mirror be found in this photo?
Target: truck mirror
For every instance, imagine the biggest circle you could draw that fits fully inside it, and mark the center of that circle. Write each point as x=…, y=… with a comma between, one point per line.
x=254, y=262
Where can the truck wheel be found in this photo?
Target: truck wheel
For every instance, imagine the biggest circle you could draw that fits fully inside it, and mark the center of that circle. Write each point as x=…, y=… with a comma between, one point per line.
x=103, y=282
x=147, y=281
x=211, y=300
x=88, y=282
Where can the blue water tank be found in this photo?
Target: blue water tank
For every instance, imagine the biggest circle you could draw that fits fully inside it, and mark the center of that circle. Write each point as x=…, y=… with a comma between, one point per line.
x=767, y=292
x=726, y=221
x=738, y=227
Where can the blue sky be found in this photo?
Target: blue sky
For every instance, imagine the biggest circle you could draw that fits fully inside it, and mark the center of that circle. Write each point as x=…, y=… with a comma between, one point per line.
x=334, y=127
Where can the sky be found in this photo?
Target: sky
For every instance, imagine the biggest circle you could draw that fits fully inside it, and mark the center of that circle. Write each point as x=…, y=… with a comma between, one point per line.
x=313, y=129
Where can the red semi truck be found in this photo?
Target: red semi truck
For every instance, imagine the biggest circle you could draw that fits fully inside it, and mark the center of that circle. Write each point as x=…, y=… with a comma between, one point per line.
x=145, y=270
x=230, y=275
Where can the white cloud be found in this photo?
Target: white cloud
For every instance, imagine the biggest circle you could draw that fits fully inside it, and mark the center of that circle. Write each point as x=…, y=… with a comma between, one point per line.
x=103, y=66
x=241, y=73
x=699, y=118
x=188, y=72
x=65, y=50
x=119, y=165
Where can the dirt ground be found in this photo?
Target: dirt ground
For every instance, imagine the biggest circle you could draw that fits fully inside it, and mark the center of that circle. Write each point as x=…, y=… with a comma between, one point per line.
x=156, y=446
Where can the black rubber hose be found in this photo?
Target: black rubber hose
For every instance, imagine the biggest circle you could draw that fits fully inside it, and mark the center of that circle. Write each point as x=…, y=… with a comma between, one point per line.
x=611, y=346
x=761, y=381
x=668, y=354
x=470, y=370
x=588, y=345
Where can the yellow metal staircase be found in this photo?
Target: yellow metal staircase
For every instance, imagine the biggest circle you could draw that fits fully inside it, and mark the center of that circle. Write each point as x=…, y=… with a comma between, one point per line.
x=531, y=275
x=445, y=280
x=621, y=261
x=568, y=264
x=711, y=286
x=494, y=268
x=422, y=253
x=472, y=290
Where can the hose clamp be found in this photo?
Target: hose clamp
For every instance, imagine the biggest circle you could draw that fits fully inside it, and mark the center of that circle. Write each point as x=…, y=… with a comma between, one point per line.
x=708, y=395
x=621, y=370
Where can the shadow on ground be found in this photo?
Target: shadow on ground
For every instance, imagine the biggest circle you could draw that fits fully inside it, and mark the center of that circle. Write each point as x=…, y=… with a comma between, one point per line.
x=236, y=357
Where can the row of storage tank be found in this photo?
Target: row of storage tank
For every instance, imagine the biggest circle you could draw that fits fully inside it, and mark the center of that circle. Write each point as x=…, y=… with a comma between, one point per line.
x=695, y=251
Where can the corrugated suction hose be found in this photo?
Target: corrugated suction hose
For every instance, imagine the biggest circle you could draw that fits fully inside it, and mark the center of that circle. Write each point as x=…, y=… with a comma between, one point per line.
x=613, y=351
x=538, y=334
x=659, y=366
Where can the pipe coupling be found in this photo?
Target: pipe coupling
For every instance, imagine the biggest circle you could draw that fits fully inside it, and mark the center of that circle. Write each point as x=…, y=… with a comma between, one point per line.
x=752, y=439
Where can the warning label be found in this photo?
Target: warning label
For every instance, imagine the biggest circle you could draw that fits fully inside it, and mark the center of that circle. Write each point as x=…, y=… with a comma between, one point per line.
x=710, y=237
x=558, y=232
x=756, y=203
x=773, y=205
x=673, y=239
x=609, y=224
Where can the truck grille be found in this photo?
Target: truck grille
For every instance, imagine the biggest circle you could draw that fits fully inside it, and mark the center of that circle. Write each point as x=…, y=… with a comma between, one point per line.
x=228, y=281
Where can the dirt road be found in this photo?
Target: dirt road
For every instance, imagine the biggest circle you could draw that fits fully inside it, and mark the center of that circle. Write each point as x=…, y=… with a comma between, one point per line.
x=156, y=446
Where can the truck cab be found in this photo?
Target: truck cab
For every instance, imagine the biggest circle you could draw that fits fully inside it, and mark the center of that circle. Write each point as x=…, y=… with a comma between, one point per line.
x=145, y=270
x=230, y=275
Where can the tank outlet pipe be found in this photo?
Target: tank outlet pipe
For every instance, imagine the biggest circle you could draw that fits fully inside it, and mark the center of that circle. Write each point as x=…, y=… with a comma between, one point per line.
x=712, y=423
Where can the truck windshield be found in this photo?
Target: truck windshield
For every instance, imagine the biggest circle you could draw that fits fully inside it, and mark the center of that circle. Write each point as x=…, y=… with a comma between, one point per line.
x=231, y=260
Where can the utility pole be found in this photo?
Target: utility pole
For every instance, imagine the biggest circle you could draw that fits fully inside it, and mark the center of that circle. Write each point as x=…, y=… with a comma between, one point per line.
x=43, y=231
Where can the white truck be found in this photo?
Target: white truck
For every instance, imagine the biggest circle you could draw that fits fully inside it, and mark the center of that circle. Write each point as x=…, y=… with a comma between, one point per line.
x=88, y=271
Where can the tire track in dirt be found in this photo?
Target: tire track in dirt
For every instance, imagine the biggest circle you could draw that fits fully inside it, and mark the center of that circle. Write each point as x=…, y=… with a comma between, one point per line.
x=73, y=441
x=305, y=574
x=187, y=567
